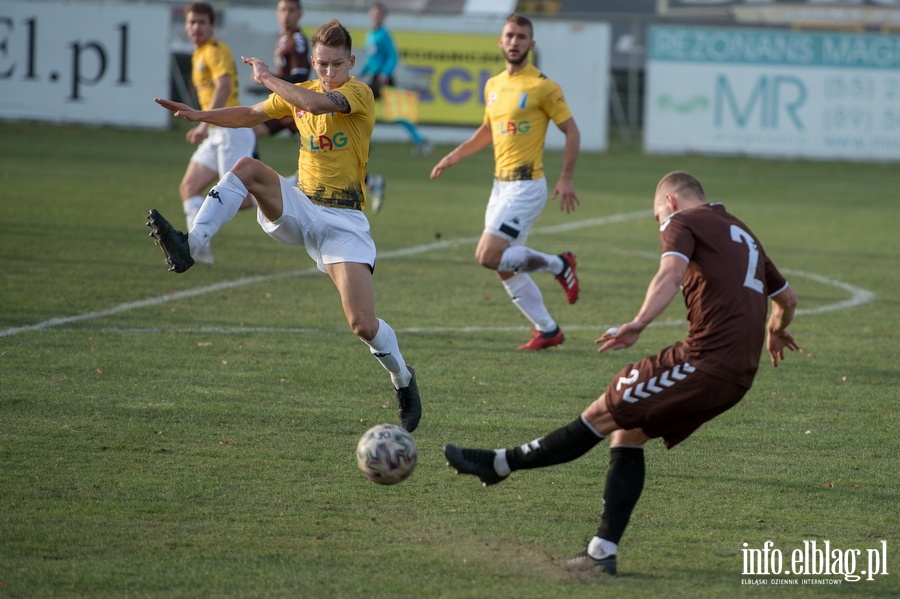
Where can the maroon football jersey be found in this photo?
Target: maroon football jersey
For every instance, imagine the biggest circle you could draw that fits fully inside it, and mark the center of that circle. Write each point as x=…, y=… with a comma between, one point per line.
x=292, y=58
x=726, y=288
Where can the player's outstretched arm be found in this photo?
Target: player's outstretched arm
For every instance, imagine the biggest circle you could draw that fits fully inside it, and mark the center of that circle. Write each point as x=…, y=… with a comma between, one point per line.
x=662, y=289
x=180, y=110
x=311, y=101
x=477, y=142
x=564, y=188
x=783, y=307
x=231, y=117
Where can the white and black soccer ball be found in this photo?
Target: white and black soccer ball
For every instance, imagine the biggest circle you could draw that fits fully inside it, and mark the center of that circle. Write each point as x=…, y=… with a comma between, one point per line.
x=387, y=454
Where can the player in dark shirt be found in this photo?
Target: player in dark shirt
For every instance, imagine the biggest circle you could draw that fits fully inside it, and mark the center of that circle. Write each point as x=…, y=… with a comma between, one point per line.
x=292, y=50
x=291, y=59
x=727, y=280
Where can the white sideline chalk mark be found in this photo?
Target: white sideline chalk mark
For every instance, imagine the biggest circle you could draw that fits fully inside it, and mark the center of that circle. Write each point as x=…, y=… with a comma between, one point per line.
x=156, y=301
x=858, y=296
x=410, y=251
x=343, y=330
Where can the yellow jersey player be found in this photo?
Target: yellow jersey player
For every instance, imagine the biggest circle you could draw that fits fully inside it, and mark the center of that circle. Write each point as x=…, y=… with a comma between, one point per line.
x=215, y=79
x=520, y=102
x=335, y=117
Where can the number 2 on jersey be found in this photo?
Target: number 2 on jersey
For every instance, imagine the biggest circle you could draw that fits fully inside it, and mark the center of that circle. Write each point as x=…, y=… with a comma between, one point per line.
x=738, y=235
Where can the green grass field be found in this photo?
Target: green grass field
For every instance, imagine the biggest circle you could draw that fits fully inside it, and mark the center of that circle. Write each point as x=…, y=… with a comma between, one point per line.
x=193, y=435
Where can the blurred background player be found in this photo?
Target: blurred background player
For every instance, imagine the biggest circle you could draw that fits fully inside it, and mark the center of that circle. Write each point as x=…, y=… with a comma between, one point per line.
x=292, y=64
x=378, y=71
x=214, y=76
x=381, y=52
x=291, y=60
x=522, y=94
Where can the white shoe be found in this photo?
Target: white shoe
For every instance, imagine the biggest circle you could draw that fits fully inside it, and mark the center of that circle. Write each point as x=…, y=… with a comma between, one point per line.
x=423, y=149
x=204, y=256
x=376, y=192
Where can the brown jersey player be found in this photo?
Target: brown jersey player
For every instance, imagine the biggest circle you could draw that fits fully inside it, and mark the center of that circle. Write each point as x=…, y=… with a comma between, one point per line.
x=727, y=281
x=291, y=59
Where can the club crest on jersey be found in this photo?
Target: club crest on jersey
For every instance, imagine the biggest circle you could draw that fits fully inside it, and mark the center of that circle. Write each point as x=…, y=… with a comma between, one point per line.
x=523, y=99
x=643, y=390
x=492, y=97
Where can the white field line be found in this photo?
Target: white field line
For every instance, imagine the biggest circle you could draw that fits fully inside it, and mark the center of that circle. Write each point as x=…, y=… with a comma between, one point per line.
x=858, y=296
x=343, y=330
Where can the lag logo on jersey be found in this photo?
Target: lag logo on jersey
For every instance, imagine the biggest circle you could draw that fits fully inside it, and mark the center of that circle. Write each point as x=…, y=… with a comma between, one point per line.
x=319, y=143
x=513, y=128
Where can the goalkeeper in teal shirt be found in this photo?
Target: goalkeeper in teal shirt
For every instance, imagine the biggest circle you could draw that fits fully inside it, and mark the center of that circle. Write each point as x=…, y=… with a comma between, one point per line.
x=382, y=53
x=381, y=61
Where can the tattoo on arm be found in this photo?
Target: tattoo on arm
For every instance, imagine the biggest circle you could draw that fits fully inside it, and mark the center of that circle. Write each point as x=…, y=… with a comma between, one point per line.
x=340, y=101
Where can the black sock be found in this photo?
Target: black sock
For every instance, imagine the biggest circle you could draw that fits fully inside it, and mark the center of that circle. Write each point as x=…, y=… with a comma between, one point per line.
x=562, y=445
x=624, y=483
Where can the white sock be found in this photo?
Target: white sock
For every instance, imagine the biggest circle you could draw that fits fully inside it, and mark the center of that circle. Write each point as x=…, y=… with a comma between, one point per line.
x=518, y=258
x=599, y=548
x=527, y=297
x=386, y=349
x=500, y=463
x=221, y=204
x=191, y=208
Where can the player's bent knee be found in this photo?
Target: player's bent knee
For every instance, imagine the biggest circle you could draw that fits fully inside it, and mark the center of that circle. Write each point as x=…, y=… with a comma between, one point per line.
x=635, y=437
x=246, y=167
x=488, y=260
x=365, y=331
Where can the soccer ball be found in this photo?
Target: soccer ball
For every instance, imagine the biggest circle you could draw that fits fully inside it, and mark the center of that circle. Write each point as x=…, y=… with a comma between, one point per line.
x=387, y=454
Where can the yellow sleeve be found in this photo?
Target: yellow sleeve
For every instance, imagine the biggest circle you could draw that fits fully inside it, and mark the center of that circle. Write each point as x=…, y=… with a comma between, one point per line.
x=276, y=107
x=221, y=63
x=554, y=103
x=488, y=90
x=359, y=100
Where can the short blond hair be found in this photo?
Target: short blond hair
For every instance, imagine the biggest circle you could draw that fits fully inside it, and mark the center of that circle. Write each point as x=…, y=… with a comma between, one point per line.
x=681, y=182
x=332, y=35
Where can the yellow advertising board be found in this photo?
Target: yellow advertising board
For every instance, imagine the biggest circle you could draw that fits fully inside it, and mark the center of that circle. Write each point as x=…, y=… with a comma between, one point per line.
x=450, y=70
x=455, y=67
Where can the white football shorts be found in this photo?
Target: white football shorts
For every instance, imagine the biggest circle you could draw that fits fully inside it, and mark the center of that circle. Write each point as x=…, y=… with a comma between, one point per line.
x=514, y=207
x=223, y=147
x=330, y=235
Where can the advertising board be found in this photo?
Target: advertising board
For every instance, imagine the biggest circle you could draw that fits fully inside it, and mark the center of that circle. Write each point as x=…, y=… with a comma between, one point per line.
x=773, y=93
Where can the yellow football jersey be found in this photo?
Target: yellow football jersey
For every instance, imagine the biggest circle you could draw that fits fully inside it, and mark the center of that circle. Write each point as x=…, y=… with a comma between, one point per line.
x=334, y=147
x=209, y=62
x=518, y=108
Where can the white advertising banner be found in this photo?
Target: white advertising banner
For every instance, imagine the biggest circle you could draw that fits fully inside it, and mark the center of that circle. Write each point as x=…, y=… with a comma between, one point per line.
x=773, y=93
x=84, y=62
